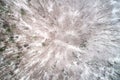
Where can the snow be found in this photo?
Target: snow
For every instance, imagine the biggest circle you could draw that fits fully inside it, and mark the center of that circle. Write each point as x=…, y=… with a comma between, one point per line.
x=65, y=39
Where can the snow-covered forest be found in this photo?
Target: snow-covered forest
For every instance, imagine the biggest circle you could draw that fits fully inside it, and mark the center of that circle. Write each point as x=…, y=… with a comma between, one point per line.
x=59, y=39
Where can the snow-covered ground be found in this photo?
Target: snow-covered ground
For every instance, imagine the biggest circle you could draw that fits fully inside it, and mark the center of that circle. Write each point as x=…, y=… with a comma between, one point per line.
x=67, y=39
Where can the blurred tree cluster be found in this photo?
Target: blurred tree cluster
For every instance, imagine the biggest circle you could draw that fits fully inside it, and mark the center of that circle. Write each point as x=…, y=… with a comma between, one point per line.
x=8, y=61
